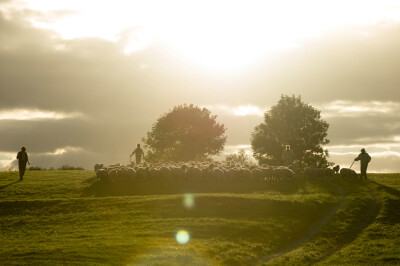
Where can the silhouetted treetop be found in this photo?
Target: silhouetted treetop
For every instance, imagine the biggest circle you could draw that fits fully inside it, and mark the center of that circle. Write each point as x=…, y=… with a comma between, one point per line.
x=295, y=123
x=186, y=133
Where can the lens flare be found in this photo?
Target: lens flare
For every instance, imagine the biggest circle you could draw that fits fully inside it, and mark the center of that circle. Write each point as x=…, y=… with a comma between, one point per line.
x=188, y=201
x=182, y=237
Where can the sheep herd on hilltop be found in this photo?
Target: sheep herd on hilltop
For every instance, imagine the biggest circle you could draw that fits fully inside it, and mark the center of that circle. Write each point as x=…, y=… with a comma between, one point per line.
x=205, y=172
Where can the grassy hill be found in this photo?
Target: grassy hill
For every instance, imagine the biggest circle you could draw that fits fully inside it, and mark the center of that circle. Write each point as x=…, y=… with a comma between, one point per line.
x=67, y=217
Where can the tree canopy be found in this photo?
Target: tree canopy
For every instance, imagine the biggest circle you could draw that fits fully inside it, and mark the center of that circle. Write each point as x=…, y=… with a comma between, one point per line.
x=295, y=123
x=186, y=133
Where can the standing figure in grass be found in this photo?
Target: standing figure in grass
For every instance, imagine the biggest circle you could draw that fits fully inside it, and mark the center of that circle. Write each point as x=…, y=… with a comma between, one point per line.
x=364, y=158
x=139, y=153
x=22, y=157
x=288, y=156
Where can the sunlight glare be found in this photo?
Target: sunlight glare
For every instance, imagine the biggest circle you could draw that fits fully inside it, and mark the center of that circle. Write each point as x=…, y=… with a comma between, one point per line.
x=217, y=34
x=182, y=237
x=188, y=201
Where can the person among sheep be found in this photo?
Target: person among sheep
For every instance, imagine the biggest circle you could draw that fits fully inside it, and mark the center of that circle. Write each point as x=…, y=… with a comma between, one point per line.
x=138, y=154
x=22, y=157
x=364, y=158
x=288, y=156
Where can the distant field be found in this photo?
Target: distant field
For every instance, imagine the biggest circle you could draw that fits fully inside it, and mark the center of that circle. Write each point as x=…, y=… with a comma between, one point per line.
x=67, y=217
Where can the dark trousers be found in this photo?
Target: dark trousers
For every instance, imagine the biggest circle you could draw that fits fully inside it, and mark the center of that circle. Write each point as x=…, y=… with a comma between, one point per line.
x=22, y=168
x=363, y=172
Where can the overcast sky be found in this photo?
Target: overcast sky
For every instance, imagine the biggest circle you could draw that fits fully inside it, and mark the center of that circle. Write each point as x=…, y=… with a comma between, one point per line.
x=81, y=84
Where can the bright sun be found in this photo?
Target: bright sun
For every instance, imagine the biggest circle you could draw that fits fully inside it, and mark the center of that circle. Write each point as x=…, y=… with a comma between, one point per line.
x=217, y=34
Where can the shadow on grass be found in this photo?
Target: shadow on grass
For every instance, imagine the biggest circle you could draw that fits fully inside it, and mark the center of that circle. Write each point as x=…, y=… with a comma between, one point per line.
x=390, y=214
x=97, y=188
x=10, y=184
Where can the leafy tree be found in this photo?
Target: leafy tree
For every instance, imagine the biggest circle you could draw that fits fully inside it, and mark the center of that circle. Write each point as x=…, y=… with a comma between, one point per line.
x=186, y=133
x=295, y=123
x=239, y=158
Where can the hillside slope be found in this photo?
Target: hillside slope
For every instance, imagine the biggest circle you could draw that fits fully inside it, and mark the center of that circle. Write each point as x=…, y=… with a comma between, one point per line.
x=67, y=217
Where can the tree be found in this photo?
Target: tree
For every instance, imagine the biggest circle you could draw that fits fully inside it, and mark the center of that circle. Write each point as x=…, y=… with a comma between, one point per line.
x=239, y=158
x=184, y=134
x=295, y=123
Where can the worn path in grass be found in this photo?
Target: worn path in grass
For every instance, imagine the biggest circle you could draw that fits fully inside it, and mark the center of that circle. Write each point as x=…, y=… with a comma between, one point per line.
x=364, y=230
x=379, y=242
x=313, y=230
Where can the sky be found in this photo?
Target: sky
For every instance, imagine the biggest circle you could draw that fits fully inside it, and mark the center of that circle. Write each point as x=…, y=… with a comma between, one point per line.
x=82, y=83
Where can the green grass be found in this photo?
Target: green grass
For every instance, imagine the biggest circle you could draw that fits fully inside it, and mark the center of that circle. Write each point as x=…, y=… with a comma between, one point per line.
x=379, y=242
x=67, y=217
x=365, y=230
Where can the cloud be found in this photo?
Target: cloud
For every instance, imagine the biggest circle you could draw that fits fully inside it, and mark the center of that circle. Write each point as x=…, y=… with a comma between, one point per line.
x=61, y=151
x=394, y=145
x=241, y=110
x=74, y=156
x=26, y=114
x=382, y=162
x=6, y=160
x=353, y=78
x=345, y=108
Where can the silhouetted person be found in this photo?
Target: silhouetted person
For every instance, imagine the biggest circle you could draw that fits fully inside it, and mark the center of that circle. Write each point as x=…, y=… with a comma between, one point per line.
x=364, y=158
x=288, y=156
x=138, y=154
x=22, y=157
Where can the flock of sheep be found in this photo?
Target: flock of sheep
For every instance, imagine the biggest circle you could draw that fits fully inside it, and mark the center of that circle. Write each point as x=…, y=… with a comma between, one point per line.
x=218, y=172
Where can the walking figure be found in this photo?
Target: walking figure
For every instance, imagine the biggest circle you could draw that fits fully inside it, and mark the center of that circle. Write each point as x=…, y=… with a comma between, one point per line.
x=364, y=158
x=138, y=154
x=288, y=156
x=22, y=157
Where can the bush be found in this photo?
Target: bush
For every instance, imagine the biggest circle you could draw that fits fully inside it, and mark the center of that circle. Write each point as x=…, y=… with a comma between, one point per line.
x=68, y=167
x=36, y=168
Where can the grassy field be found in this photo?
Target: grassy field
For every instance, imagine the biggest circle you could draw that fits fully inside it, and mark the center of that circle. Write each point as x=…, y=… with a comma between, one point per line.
x=67, y=217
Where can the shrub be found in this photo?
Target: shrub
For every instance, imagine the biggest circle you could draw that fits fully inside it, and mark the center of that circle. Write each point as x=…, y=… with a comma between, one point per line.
x=68, y=167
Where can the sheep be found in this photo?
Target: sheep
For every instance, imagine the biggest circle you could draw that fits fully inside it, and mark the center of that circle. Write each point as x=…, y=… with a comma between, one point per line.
x=218, y=175
x=318, y=173
x=232, y=174
x=113, y=175
x=329, y=172
x=312, y=172
x=194, y=174
x=246, y=174
x=336, y=169
x=165, y=174
x=282, y=173
x=257, y=174
x=293, y=168
x=98, y=166
x=131, y=173
x=154, y=175
x=348, y=173
x=178, y=173
x=267, y=173
x=140, y=174
x=102, y=175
